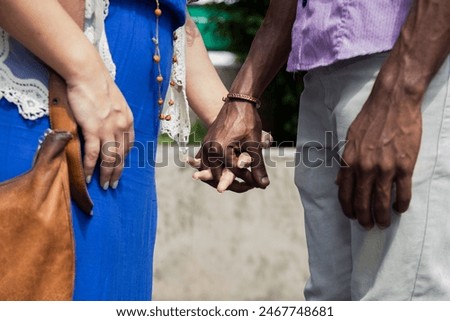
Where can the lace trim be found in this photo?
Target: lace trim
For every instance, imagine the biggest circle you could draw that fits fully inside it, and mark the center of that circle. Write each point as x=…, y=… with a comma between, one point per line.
x=176, y=104
x=30, y=94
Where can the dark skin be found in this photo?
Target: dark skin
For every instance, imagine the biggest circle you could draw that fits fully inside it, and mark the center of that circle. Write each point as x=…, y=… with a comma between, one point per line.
x=237, y=128
x=384, y=139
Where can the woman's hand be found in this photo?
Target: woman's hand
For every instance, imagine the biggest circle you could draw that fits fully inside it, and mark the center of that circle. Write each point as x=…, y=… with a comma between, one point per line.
x=106, y=122
x=98, y=106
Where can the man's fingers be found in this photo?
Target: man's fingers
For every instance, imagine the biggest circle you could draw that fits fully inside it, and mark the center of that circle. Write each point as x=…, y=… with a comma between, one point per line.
x=212, y=158
x=259, y=172
x=239, y=187
x=404, y=193
x=382, y=200
x=363, y=197
x=345, y=181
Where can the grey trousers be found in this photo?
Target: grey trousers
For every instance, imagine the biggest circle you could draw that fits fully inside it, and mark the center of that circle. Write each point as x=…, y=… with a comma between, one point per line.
x=411, y=259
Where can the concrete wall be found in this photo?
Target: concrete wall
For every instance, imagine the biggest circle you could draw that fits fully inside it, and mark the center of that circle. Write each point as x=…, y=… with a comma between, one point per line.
x=213, y=246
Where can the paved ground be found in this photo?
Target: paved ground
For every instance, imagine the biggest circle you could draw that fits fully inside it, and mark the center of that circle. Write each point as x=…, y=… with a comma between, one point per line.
x=229, y=247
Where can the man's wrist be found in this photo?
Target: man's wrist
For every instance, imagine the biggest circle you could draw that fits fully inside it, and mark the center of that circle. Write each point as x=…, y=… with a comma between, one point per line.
x=396, y=78
x=242, y=97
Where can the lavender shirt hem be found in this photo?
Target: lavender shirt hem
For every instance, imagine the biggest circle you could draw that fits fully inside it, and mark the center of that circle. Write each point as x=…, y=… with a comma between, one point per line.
x=328, y=31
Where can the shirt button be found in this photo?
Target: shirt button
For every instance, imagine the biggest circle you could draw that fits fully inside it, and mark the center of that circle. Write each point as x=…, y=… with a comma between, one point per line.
x=304, y=3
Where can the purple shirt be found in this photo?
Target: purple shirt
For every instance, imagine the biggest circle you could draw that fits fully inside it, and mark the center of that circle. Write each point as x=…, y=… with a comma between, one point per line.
x=326, y=31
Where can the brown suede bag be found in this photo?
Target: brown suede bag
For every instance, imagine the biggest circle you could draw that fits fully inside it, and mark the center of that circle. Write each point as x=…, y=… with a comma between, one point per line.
x=37, y=260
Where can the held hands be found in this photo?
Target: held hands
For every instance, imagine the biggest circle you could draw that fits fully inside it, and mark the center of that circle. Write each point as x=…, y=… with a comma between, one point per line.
x=106, y=122
x=233, y=143
x=382, y=149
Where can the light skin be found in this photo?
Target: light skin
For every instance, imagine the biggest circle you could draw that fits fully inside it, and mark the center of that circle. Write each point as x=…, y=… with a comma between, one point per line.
x=384, y=139
x=97, y=103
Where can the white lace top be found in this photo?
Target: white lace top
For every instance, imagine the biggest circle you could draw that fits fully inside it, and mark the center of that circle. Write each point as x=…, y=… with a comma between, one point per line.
x=24, y=78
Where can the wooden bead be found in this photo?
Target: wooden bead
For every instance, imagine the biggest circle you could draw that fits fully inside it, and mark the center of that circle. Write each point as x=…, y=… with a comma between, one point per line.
x=160, y=101
x=156, y=58
x=168, y=117
x=172, y=83
x=162, y=116
x=174, y=59
x=159, y=79
x=158, y=12
x=171, y=102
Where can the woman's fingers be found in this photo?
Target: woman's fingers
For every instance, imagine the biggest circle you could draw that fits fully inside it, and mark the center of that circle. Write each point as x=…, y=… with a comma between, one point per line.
x=226, y=180
x=245, y=160
x=91, y=154
x=194, y=162
x=204, y=175
x=266, y=139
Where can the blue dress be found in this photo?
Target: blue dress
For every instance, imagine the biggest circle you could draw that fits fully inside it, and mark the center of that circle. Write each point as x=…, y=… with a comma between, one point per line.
x=114, y=248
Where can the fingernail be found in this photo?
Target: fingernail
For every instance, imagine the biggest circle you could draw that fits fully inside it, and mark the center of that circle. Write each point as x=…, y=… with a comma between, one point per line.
x=88, y=179
x=106, y=186
x=115, y=184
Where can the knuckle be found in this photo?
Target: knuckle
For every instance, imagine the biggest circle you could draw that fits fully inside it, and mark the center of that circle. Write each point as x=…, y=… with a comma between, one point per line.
x=405, y=167
x=361, y=207
x=91, y=155
x=385, y=167
x=347, y=160
x=122, y=123
x=365, y=166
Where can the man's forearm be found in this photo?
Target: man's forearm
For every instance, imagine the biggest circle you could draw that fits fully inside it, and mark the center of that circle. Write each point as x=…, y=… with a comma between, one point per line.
x=420, y=50
x=269, y=50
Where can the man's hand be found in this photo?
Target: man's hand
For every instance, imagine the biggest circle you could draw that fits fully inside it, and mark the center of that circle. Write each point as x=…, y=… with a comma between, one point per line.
x=382, y=148
x=384, y=139
x=228, y=178
x=235, y=132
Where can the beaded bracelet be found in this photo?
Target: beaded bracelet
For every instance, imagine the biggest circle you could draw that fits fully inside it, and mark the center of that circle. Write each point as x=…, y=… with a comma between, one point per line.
x=244, y=97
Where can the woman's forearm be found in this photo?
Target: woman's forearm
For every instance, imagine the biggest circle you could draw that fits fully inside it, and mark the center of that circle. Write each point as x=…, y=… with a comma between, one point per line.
x=203, y=85
x=47, y=30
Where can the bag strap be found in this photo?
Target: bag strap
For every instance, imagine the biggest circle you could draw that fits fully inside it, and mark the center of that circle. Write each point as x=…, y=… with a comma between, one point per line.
x=61, y=118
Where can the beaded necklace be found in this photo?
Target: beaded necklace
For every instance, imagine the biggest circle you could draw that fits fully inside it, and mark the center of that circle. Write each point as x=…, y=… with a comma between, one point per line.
x=157, y=60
